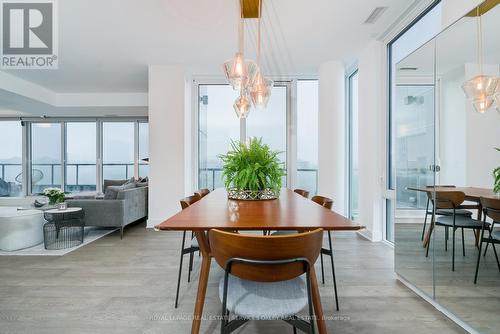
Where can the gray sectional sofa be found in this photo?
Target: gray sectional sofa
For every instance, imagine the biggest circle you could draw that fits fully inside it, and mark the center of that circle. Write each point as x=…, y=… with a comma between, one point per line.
x=121, y=205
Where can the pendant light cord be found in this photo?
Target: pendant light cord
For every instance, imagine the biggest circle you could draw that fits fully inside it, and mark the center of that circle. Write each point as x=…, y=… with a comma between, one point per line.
x=258, y=33
x=479, y=41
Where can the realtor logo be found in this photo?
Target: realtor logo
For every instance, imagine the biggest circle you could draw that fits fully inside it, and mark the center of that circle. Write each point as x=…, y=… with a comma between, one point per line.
x=29, y=34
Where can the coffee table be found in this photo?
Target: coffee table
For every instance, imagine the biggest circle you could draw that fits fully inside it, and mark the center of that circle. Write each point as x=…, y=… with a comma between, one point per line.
x=64, y=228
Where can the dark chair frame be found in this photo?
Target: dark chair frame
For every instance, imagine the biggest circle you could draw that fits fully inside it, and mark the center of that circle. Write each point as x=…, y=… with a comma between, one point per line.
x=445, y=202
x=327, y=203
x=443, y=212
x=229, y=326
x=488, y=212
x=186, y=202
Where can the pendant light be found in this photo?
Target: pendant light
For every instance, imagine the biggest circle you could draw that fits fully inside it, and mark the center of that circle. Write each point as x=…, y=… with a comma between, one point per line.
x=242, y=105
x=481, y=88
x=237, y=70
x=260, y=90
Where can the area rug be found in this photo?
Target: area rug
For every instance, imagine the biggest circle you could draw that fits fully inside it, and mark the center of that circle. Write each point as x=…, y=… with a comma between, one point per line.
x=91, y=234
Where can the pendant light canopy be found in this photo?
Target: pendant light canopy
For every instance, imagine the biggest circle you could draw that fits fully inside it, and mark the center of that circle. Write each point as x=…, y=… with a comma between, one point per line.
x=482, y=88
x=246, y=76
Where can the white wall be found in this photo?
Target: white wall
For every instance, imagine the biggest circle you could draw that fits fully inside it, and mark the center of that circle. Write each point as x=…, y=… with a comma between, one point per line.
x=371, y=138
x=169, y=121
x=331, y=134
x=451, y=110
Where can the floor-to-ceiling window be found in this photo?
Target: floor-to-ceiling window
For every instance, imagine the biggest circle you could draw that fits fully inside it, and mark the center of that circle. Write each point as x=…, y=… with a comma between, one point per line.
x=46, y=156
x=217, y=126
x=72, y=154
x=143, y=129
x=270, y=124
x=307, y=136
x=81, y=156
x=11, y=152
x=118, y=150
x=353, y=133
x=410, y=141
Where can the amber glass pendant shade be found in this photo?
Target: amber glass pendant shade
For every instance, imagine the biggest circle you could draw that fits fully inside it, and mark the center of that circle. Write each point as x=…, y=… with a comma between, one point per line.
x=479, y=86
x=242, y=105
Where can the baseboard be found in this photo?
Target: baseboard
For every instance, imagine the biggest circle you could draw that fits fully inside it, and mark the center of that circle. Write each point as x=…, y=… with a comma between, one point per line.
x=151, y=223
x=437, y=306
x=366, y=234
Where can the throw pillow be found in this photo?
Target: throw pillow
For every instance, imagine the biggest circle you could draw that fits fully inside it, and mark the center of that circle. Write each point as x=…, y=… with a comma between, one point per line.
x=112, y=191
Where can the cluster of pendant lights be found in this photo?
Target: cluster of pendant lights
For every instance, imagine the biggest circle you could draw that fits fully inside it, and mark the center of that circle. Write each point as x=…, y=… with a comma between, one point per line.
x=246, y=77
x=482, y=90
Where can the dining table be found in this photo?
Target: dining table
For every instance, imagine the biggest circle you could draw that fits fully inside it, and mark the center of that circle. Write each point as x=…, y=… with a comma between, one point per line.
x=289, y=212
x=472, y=194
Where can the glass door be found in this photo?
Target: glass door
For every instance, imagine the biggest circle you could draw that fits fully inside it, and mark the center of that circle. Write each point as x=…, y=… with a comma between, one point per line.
x=412, y=168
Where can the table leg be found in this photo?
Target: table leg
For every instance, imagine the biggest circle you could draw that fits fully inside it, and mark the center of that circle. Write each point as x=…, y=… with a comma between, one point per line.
x=318, y=308
x=202, y=283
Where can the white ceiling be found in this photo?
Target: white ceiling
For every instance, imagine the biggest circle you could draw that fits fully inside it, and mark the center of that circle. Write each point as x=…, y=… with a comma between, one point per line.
x=106, y=45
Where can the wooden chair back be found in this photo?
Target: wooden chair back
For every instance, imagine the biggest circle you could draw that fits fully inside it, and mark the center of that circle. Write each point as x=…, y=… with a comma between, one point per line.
x=323, y=201
x=491, y=207
x=302, y=192
x=190, y=200
x=446, y=199
x=202, y=192
x=226, y=245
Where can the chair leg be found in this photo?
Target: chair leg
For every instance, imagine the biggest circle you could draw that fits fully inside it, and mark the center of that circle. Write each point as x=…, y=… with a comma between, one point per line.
x=453, y=250
x=496, y=255
x=180, y=270
x=463, y=242
x=322, y=269
x=425, y=219
x=190, y=266
x=488, y=242
x=479, y=255
x=333, y=271
x=121, y=233
x=446, y=238
x=294, y=330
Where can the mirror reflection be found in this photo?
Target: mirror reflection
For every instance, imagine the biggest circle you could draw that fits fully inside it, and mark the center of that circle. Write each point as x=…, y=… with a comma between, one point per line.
x=447, y=128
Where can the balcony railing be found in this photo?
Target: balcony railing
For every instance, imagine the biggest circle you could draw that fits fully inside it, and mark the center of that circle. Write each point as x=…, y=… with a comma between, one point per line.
x=48, y=175
x=211, y=178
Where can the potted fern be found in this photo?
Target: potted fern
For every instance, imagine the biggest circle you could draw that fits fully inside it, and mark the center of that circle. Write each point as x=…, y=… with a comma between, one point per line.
x=496, y=177
x=252, y=172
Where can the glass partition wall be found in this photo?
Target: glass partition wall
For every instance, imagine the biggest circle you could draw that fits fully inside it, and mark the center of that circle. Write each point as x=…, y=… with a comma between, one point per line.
x=441, y=140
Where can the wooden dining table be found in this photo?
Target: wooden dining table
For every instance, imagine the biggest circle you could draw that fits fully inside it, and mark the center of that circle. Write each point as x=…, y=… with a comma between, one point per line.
x=472, y=194
x=290, y=212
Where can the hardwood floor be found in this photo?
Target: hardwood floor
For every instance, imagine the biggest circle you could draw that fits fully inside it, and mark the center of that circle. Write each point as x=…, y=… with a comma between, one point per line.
x=128, y=286
x=478, y=304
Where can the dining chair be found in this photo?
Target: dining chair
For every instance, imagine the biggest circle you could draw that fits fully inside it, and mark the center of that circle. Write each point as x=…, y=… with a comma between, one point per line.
x=327, y=203
x=491, y=209
x=202, y=192
x=445, y=212
x=451, y=200
x=193, y=247
x=266, y=277
x=302, y=192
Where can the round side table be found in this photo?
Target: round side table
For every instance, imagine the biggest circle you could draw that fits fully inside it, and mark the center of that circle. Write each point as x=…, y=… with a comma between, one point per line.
x=63, y=228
